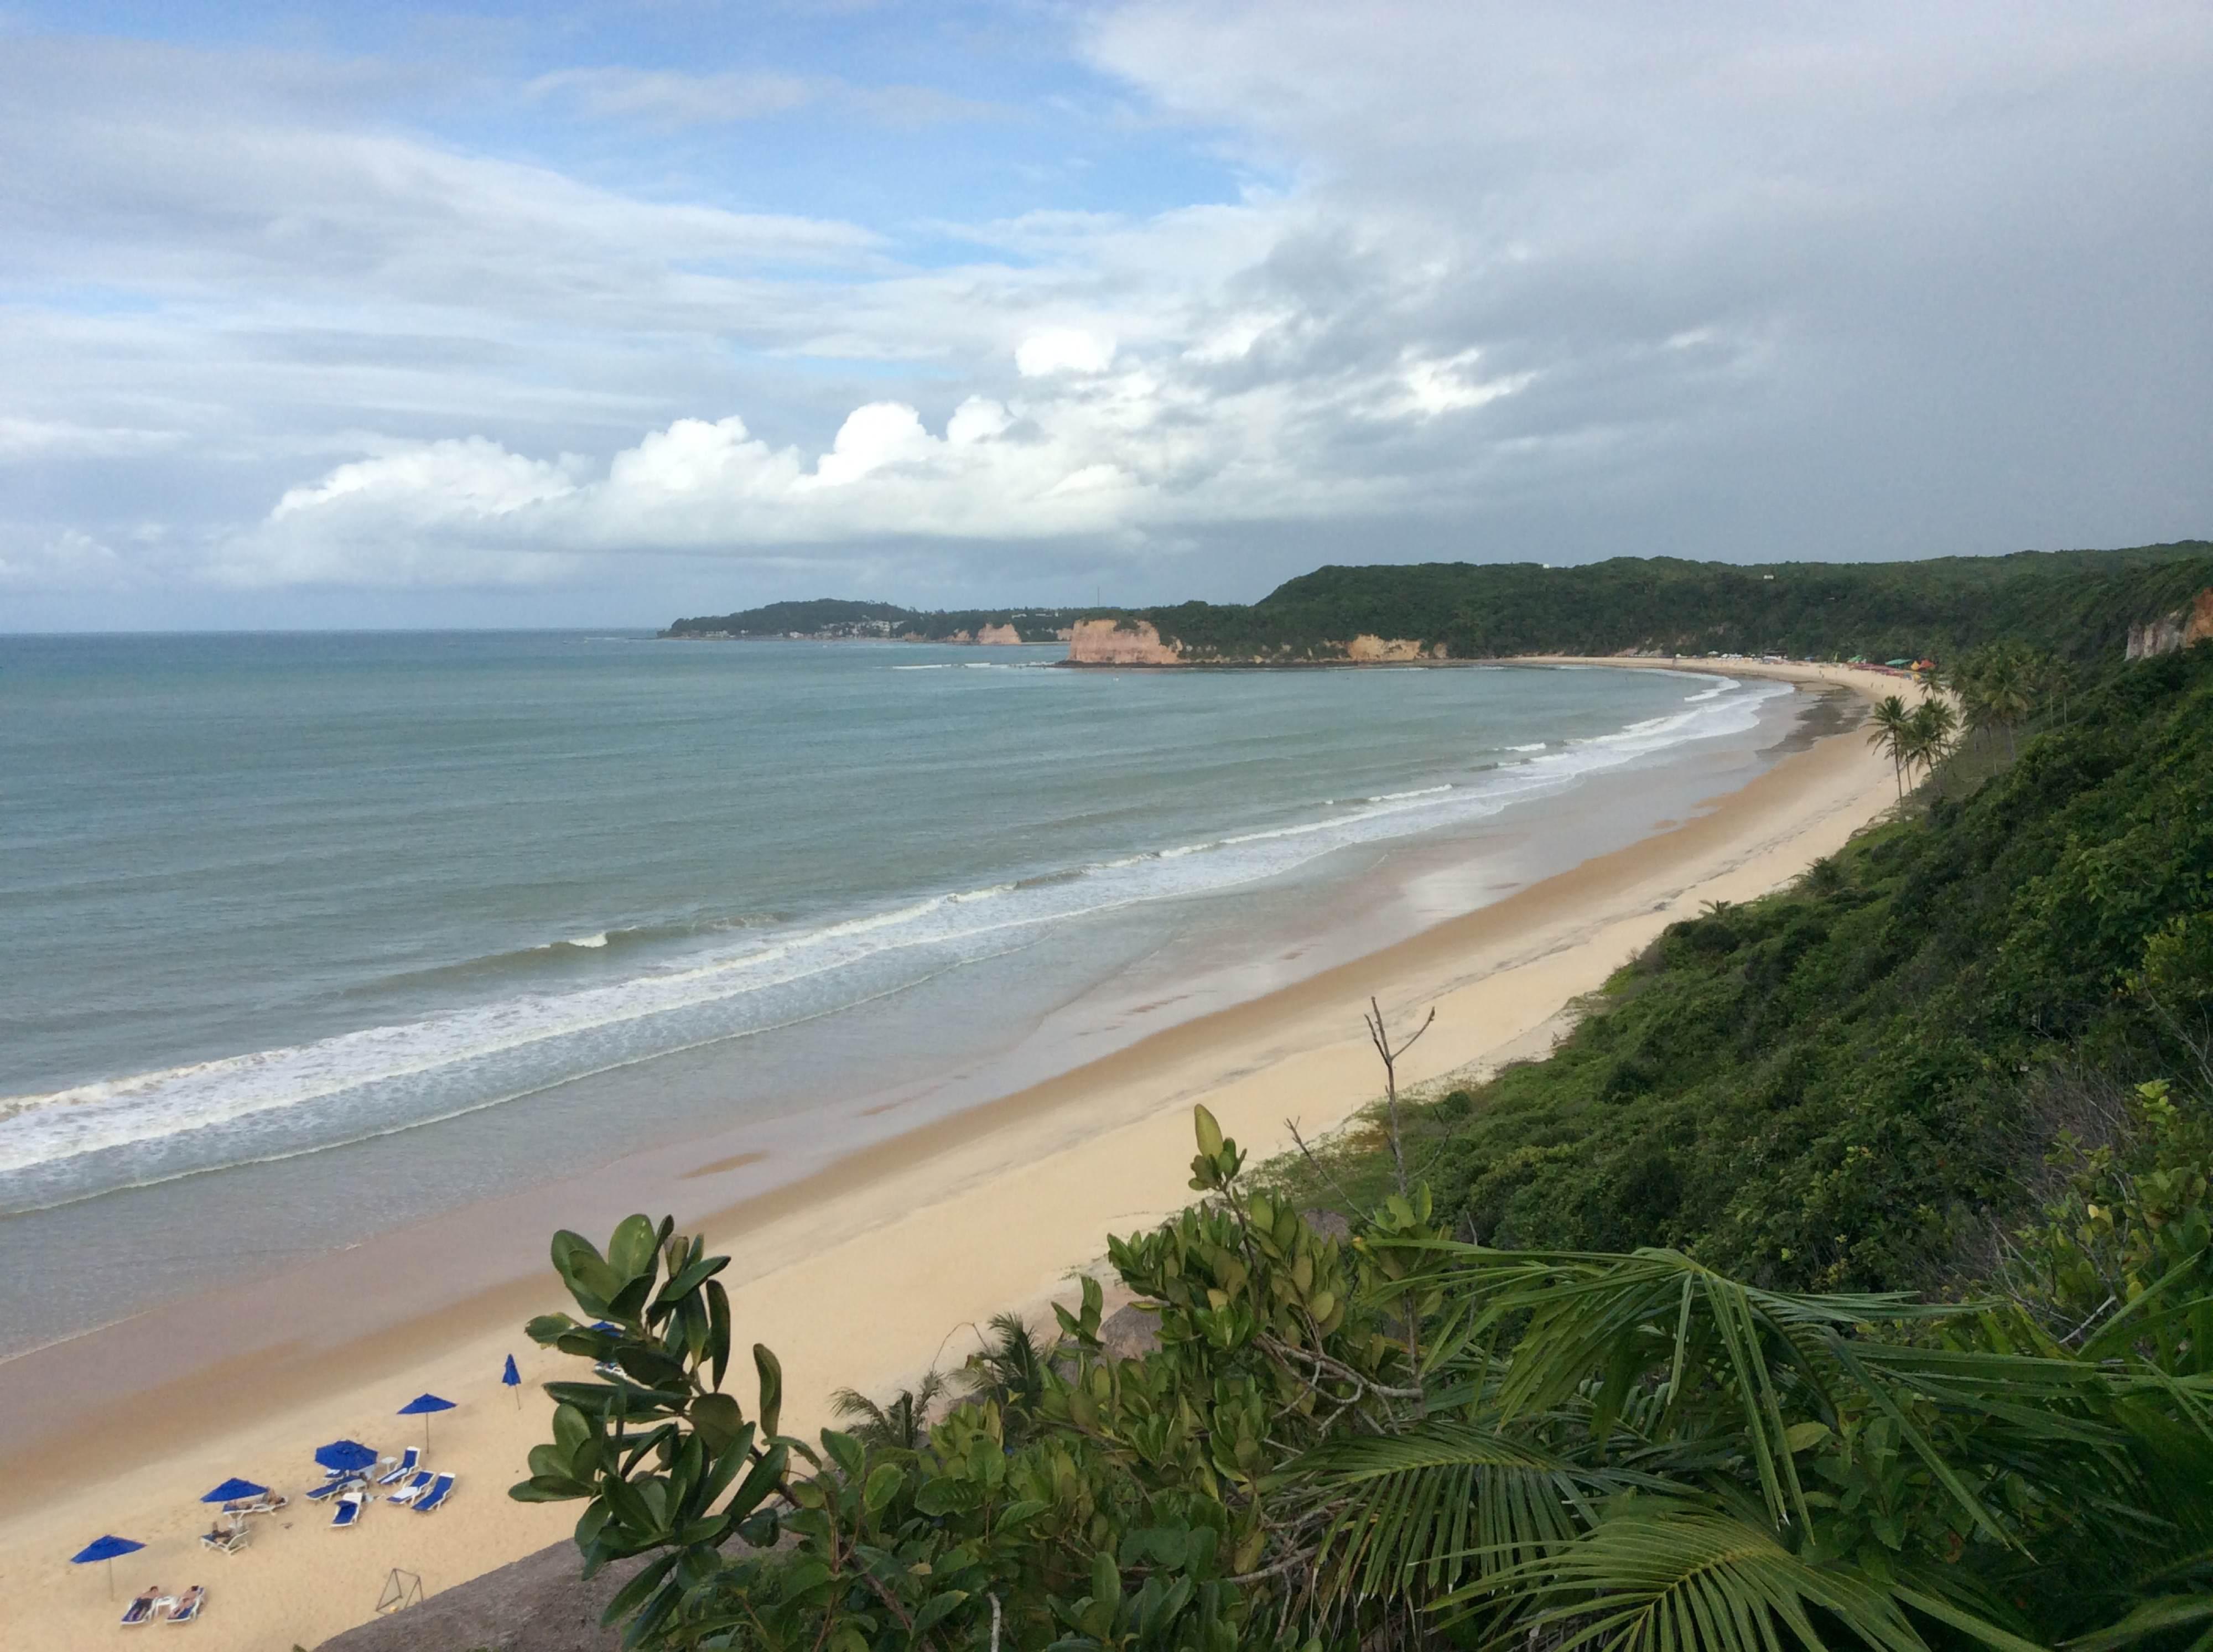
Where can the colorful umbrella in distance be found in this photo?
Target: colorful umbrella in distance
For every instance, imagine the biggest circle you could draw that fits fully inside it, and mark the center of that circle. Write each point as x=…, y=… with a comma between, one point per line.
x=231, y=1489
x=513, y=1378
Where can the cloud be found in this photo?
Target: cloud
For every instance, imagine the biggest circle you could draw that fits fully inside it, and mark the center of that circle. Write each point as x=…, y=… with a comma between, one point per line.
x=67, y=560
x=1062, y=350
x=1485, y=280
x=23, y=439
x=671, y=99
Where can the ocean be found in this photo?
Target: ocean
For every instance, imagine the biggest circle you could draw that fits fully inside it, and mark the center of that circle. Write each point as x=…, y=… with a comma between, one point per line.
x=310, y=934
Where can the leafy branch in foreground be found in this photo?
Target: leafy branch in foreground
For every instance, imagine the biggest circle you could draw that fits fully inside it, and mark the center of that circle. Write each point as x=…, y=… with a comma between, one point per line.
x=1403, y=1439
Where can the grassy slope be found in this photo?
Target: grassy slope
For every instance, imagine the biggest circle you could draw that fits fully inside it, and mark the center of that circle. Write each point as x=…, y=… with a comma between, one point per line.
x=1840, y=1085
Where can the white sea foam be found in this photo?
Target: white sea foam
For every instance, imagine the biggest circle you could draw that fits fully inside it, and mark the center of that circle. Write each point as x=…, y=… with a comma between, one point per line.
x=281, y=1101
x=1533, y=746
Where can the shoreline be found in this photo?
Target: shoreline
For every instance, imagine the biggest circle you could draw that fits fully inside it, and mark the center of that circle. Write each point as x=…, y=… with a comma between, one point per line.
x=989, y=1208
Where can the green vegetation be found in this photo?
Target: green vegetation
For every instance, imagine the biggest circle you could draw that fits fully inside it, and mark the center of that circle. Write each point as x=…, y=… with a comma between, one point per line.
x=2070, y=605
x=1405, y=1441
x=2076, y=605
x=1842, y=1085
x=834, y=617
x=1676, y=1400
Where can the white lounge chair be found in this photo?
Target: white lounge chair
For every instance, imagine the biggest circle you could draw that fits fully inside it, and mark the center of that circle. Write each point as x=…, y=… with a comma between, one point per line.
x=410, y=1461
x=440, y=1489
x=348, y=1512
x=188, y=1605
x=141, y=1611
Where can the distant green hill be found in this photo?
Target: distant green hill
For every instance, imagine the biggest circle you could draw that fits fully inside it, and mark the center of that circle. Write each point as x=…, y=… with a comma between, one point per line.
x=2075, y=603
x=836, y=617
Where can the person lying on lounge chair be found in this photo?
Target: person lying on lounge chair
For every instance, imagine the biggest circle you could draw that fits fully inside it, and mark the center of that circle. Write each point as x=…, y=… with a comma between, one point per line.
x=141, y=1610
x=188, y=1605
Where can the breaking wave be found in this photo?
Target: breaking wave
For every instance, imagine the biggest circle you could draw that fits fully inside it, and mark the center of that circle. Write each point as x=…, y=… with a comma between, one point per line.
x=732, y=981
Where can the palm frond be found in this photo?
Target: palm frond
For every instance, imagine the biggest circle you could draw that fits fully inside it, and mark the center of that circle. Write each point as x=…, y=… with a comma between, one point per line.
x=902, y=1423
x=1449, y=1499
x=1682, y=1580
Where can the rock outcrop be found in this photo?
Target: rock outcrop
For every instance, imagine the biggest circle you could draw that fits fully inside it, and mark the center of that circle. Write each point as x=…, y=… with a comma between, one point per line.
x=1001, y=635
x=1368, y=648
x=1103, y=642
x=2171, y=632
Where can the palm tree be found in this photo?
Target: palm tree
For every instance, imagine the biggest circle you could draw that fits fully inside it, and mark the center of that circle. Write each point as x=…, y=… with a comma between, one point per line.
x=2000, y=684
x=2055, y=679
x=1893, y=725
x=1009, y=1370
x=1928, y=734
x=903, y=1424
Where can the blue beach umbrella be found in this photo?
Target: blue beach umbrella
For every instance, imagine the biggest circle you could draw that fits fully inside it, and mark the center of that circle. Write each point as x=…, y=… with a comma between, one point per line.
x=106, y=1548
x=422, y=1406
x=231, y=1489
x=513, y=1378
x=344, y=1456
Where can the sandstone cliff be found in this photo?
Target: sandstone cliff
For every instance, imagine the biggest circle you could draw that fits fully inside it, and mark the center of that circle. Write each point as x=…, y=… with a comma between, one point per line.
x=1100, y=642
x=1366, y=647
x=2173, y=631
x=1000, y=635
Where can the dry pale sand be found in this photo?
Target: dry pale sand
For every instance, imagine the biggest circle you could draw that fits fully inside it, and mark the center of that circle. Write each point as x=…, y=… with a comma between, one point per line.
x=869, y=1271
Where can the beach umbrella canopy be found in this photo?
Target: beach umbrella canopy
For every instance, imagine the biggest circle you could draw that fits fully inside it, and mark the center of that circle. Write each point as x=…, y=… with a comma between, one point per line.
x=106, y=1548
x=344, y=1455
x=231, y=1491
x=513, y=1378
x=422, y=1406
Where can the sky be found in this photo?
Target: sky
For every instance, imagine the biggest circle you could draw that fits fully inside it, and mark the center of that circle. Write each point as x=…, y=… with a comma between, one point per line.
x=332, y=314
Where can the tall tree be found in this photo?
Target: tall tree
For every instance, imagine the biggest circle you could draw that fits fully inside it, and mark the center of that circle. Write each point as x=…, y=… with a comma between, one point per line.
x=1892, y=727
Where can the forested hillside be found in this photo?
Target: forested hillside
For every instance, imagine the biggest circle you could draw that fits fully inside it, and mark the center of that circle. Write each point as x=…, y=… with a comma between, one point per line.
x=1844, y=1085
x=2077, y=604
x=836, y=617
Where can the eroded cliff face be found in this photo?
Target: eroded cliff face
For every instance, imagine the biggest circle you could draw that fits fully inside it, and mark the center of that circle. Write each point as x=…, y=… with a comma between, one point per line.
x=2173, y=632
x=1001, y=635
x=1365, y=647
x=1101, y=643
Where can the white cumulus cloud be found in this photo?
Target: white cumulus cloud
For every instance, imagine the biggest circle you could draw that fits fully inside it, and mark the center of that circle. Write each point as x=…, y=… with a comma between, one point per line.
x=1062, y=350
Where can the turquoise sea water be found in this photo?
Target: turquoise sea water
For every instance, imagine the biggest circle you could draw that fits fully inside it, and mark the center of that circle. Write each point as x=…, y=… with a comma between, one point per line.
x=268, y=896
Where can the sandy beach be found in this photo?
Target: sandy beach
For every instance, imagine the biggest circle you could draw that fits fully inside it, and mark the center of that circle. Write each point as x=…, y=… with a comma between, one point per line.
x=862, y=1275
